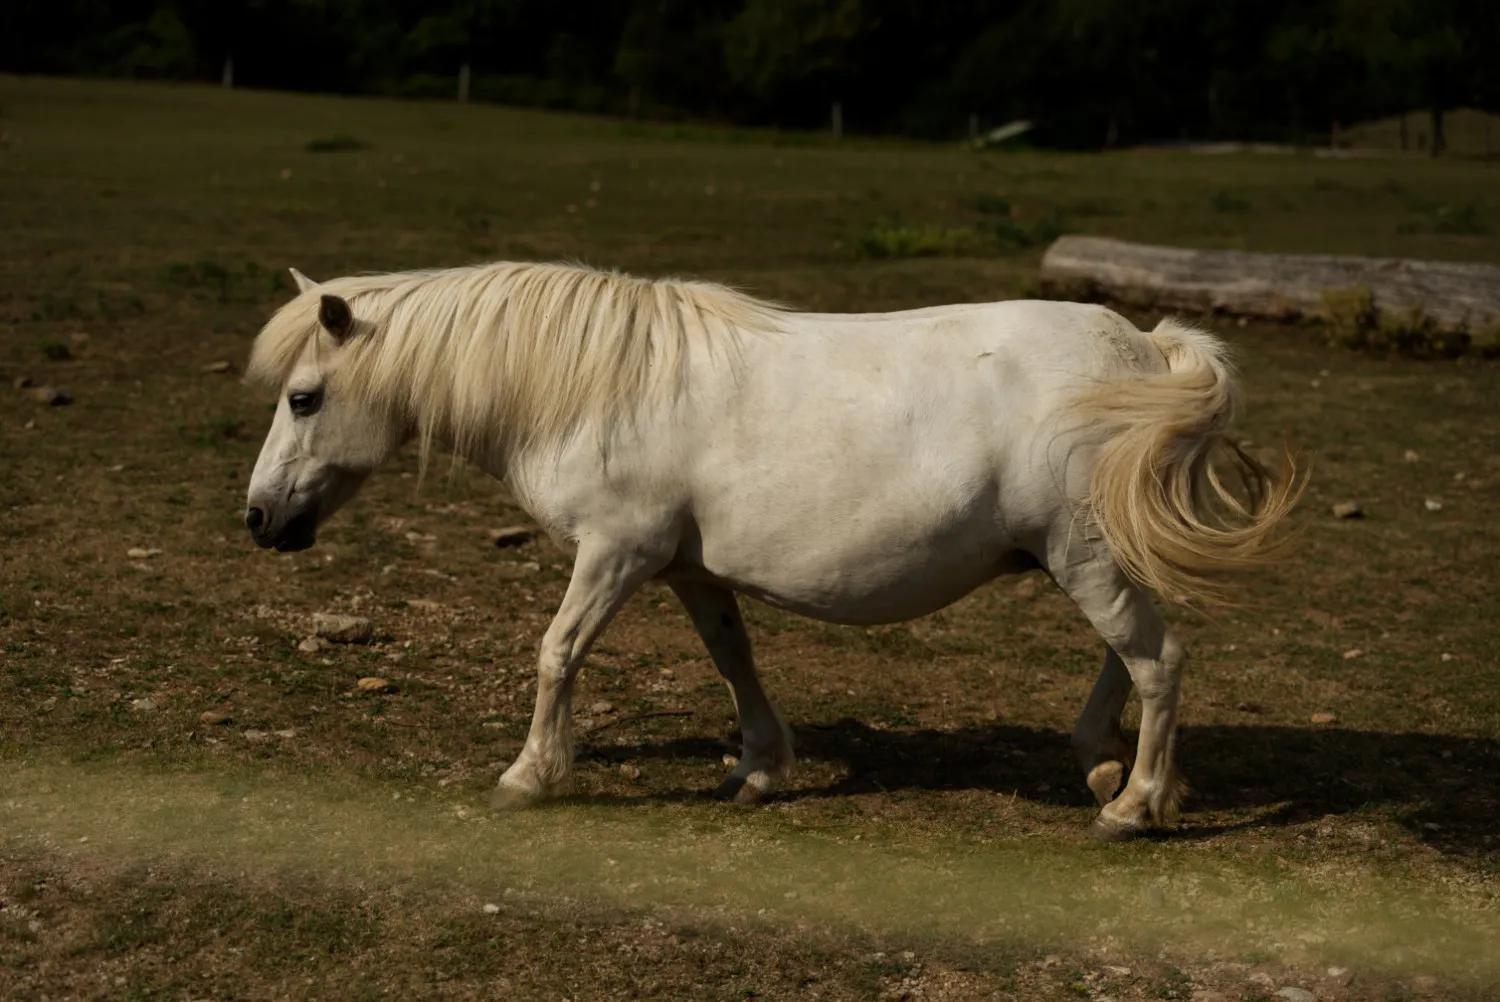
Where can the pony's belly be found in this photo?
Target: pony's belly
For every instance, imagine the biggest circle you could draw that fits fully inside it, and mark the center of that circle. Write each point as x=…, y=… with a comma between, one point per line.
x=890, y=591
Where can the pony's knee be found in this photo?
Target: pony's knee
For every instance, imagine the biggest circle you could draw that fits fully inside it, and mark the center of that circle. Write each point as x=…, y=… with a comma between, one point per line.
x=1159, y=676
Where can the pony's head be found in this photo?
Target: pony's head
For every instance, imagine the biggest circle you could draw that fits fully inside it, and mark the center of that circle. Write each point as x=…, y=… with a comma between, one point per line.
x=327, y=436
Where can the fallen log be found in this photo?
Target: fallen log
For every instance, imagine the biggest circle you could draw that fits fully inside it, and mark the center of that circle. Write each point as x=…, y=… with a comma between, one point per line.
x=1379, y=296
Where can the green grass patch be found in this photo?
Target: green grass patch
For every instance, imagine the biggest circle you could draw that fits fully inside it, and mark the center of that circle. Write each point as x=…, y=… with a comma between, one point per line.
x=896, y=240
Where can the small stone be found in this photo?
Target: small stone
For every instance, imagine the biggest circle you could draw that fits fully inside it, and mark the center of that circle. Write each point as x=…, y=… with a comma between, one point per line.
x=310, y=645
x=1292, y=994
x=1449, y=657
x=1352, y=653
x=1411, y=456
x=601, y=707
x=730, y=761
x=287, y=733
x=1348, y=509
x=423, y=604
x=630, y=771
x=219, y=367
x=342, y=629
x=1340, y=974
x=22, y=382
x=255, y=737
x=492, y=909
x=668, y=673
x=373, y=683
x=1433, y=504
x=214, y=718
x=1052, y=960
x=145, y=704
x=513, y=535
x=49, y=395
x=142, y=553
x=1323, y=718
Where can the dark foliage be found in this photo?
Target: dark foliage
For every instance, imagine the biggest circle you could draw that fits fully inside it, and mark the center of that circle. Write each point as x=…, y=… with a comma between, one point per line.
x=1090, y=73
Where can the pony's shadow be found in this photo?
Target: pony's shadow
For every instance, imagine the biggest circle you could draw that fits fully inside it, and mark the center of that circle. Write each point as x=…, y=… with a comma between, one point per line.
x=1439, y=787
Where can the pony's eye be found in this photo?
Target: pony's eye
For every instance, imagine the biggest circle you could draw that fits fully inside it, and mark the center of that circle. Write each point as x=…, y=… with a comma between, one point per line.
x=304, y=404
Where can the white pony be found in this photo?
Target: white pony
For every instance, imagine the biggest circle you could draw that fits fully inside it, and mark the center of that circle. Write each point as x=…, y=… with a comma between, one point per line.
x=857, y=469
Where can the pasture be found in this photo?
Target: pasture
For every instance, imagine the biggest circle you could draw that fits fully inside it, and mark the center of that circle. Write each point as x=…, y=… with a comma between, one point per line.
x=313, y=840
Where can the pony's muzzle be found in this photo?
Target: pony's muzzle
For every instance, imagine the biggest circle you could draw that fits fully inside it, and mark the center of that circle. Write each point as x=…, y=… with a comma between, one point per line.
x=297, y=533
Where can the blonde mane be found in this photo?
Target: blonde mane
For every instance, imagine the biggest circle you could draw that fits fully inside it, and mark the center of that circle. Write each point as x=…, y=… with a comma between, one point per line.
x=511, y=356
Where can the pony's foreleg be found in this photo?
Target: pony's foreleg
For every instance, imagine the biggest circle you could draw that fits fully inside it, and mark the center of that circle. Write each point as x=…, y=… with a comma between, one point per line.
x=766, y=756
x=1130, y=624
x=1098, y=738
x=604, y=577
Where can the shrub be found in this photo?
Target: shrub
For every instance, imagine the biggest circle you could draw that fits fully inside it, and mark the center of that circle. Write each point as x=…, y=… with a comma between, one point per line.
x=1461, y=221
x=336, y=144
x=1228, y=201
x=992, y=205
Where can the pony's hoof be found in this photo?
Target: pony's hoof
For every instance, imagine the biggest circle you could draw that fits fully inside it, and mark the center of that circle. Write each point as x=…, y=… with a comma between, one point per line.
x=511, y=798
x=1107, y=829
x=742, y=790
x=1105, y=780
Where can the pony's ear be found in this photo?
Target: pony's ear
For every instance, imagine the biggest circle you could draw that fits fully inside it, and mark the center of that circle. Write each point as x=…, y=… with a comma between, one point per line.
x=304, y=284
x=336, y=317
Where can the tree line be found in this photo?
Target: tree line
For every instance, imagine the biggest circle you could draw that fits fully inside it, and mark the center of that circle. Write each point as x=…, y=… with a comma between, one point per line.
x=1088, y=73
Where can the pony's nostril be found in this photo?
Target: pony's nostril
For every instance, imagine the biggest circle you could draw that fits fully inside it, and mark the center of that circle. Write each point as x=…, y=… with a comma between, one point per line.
x=254, y=519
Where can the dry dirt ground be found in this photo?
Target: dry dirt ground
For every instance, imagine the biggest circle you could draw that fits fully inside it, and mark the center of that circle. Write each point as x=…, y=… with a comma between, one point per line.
x=321, y=842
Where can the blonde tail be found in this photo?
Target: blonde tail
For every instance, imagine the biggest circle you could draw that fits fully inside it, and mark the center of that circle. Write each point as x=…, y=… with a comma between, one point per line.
x=1167, y=515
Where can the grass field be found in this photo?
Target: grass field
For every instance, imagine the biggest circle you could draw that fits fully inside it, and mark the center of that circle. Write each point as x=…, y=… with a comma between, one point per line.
x=330, y=844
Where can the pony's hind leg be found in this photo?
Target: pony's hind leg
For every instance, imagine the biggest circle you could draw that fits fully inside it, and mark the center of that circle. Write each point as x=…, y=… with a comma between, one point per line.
x=766, y=757
x=1122, y=612
x=603, y=578
x=1098, y=738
